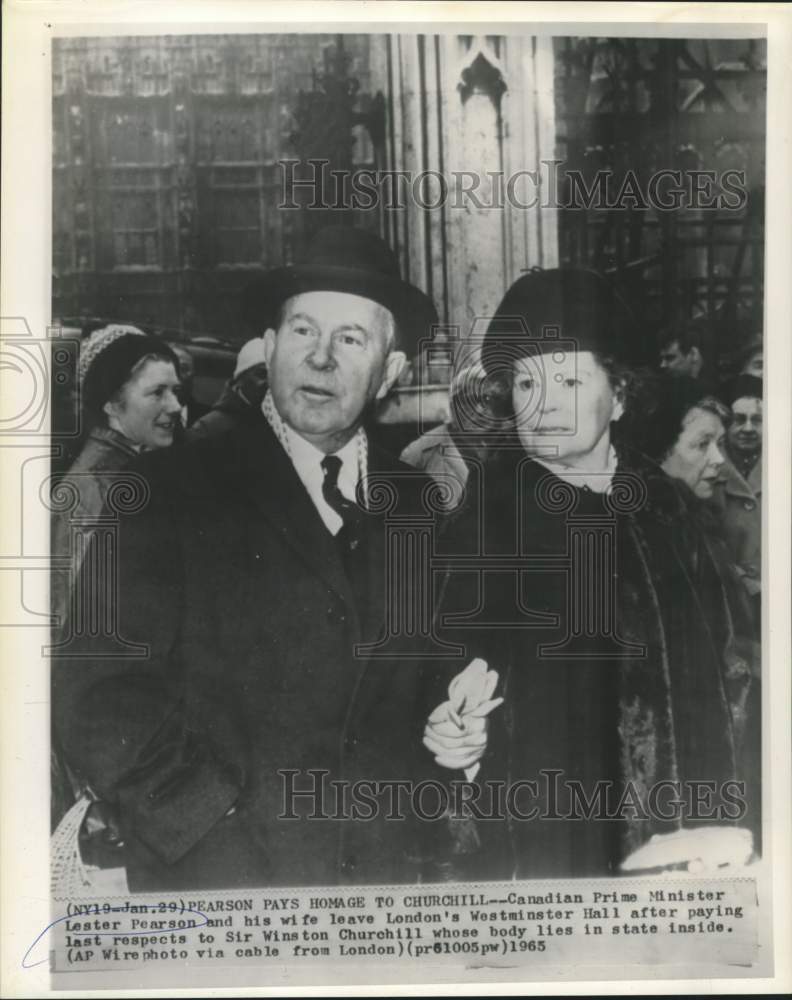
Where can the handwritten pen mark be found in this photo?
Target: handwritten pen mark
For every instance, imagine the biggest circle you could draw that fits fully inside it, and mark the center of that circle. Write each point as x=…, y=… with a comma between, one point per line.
x=112, y=909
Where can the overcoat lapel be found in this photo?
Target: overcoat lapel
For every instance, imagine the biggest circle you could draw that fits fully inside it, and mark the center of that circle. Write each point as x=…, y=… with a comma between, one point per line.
x=375, y=528
x=266, y=473
x=380, y=678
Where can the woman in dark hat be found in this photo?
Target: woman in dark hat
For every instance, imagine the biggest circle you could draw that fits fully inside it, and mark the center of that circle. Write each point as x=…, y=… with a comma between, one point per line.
x=587, y=607
x=128, y=385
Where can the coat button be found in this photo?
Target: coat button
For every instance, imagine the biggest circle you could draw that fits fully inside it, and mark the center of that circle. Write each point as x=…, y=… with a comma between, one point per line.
x=749, y=505
x=349, y=864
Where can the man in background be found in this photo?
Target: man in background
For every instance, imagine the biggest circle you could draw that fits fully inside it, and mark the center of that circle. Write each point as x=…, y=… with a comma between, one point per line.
x=191, y=410
x=752, y=360
x=739, y=490
x=242, y=396
x=687, y=349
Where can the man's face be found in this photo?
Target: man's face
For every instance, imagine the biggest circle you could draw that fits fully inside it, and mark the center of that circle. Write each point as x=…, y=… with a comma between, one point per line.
x=673, y=360
x=329, y=358
x=745, y=430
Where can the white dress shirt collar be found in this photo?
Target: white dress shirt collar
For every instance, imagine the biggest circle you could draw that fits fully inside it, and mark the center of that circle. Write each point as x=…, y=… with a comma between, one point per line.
x=307, y=461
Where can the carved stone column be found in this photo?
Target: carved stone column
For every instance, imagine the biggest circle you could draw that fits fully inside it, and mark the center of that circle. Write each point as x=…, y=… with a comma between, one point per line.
x=471, y=110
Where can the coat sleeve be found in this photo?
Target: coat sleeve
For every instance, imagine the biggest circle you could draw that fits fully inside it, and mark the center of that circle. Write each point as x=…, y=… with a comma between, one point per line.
x=119, y=702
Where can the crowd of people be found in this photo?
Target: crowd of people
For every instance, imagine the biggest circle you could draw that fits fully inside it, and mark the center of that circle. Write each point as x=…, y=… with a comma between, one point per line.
x=258, y=578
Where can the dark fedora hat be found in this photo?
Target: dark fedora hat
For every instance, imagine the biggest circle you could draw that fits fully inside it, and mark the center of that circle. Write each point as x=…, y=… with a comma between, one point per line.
x=344, y=259
x=560, y=309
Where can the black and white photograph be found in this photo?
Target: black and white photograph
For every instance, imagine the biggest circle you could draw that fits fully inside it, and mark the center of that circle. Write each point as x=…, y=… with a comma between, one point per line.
x=406, y=486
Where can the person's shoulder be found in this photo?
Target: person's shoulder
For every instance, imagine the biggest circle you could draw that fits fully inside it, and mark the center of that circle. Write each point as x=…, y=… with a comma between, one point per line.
x=653, y=497
x=754, y=479
x=230, y=411
x=215, y=422
x=100, y=467
x=731, y=484
x=402, y=487
x=102, y=452
x=200, y=465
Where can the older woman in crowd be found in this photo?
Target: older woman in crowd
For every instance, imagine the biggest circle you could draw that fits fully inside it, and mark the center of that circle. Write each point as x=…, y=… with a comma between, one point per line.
x=685, y=432
x=589, y=608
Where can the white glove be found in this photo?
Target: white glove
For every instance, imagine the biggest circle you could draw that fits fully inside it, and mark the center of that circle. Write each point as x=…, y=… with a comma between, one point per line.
x=456, y=731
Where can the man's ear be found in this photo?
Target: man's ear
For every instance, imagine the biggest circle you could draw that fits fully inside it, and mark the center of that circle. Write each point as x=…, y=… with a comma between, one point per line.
x=394, y=365
x=269, y=344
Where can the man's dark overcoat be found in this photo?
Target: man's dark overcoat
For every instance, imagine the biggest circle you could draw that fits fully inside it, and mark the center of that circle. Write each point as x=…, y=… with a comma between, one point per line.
x=230, y=578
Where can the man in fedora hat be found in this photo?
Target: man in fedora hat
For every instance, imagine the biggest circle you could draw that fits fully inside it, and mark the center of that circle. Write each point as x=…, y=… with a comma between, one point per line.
x=252, y=575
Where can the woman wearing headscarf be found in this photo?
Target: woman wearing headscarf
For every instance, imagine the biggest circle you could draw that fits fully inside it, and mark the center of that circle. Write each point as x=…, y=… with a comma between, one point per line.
x=569, y=573
x=128, y=390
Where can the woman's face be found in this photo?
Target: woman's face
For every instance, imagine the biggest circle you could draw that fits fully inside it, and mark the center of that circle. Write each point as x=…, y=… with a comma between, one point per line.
x=564, y=404
x=147, y=408
x=697, y=455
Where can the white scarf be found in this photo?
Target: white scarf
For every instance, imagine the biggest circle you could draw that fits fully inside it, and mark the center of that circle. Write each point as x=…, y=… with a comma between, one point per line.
x=275, y=421
x=597, y=480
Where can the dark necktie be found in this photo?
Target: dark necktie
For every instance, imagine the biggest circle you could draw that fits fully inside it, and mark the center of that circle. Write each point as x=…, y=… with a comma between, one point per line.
x=351, y=535
x=347, y=510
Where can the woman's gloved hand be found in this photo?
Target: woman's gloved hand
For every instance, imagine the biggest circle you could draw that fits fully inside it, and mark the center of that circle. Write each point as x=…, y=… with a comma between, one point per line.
x=456, y=731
